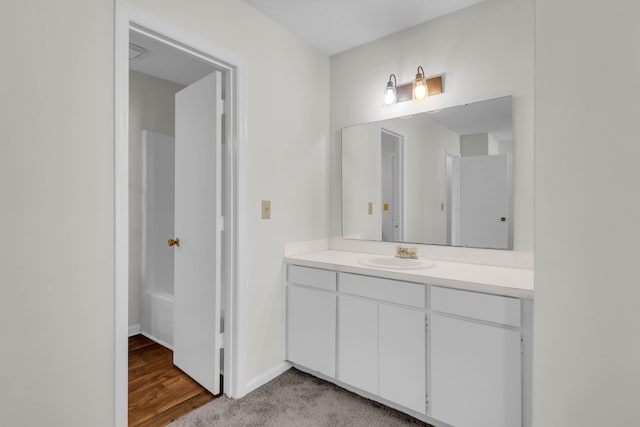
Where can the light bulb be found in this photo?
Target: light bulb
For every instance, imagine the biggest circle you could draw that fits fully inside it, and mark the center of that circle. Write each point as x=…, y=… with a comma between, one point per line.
x=390, y=94
x=420, y=92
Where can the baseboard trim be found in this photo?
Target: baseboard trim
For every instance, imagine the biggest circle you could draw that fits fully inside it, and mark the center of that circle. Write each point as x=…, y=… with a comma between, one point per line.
x=261, y=380
x=134, y=330
x=159, y=341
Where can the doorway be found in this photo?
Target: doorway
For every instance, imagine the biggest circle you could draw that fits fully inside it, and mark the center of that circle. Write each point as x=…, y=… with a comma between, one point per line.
x=179, y=286
x=452, y=191
x=132, y=21
x=392, y=188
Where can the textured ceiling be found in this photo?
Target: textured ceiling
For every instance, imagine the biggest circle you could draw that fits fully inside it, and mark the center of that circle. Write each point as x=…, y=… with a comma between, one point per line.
x=334, y=26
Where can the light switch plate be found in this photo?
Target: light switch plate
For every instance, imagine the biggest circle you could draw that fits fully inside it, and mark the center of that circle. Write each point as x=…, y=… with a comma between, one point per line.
x=266, y=209
x=370, y=208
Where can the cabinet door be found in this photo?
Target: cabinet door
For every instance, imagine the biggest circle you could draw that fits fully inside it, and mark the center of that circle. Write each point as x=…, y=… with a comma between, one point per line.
x=475, y=374
x=358, y=343
x=402, y=356
x=311, y=329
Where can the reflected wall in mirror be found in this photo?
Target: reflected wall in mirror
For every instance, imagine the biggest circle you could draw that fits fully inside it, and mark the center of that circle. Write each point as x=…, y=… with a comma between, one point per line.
x=441, y=177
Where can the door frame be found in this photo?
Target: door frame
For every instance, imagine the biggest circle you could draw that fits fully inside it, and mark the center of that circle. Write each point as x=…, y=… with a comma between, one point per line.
x=453, y=187
x=235, y=67
x=398, y=188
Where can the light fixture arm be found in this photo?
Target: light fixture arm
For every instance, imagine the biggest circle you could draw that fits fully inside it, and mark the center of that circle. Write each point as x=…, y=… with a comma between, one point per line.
x=394, y=83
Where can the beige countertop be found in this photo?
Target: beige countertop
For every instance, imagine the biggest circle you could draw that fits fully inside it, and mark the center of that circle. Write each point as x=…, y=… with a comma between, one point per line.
x=506, y=281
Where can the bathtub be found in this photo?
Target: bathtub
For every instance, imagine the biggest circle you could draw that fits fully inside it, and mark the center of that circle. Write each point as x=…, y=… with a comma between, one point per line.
x=157, y=316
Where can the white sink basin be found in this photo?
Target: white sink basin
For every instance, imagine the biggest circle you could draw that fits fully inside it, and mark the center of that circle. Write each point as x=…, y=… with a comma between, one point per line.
x=395, y=263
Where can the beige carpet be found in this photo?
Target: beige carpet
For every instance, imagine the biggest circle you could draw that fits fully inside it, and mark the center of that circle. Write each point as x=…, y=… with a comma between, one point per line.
x=296, y=399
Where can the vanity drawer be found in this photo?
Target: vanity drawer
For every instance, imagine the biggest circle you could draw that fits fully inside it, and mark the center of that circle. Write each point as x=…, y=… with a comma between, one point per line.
x=314, y=277
x=406, y=293
x=491, y=308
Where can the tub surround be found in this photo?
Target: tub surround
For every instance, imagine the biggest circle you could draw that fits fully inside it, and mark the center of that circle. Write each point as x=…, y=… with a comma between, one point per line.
x=490, y=279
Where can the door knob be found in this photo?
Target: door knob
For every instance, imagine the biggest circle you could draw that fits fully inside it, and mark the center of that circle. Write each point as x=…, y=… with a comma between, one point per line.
x=175, y=242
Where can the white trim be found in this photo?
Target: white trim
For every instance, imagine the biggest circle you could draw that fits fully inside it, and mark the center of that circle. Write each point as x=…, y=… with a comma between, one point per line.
x=455, y=199
x=237, y=270
x=126, y=17
x=134, y=330
x=270, y=375
x=183, y=37
x=121, y=220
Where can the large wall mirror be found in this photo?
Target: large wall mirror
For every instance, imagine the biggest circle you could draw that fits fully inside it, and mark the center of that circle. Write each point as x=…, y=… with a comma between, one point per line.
x=442, y=177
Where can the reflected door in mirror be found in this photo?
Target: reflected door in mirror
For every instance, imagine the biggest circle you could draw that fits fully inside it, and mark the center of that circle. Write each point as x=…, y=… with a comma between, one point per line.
x=484, y=189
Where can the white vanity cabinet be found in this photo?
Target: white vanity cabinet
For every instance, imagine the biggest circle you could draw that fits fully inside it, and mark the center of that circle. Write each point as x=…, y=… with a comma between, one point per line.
x=311, y=319
x=475, y=357
x=447, y=356
x=381, y=338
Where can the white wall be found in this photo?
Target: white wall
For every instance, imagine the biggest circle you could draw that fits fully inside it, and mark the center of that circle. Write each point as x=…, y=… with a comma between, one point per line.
x=474, y=145
x=287, y=127
x=362, y=177
x=56, y=187
x=485, y=51
x=151, y=107
x=56, y=178
x=587, y=329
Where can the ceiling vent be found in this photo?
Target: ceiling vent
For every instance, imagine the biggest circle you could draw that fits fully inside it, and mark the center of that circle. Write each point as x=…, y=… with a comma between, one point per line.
x=136, y=51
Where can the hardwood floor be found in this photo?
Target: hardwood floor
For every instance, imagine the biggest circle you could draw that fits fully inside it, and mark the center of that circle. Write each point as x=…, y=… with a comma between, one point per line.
x=159, y=392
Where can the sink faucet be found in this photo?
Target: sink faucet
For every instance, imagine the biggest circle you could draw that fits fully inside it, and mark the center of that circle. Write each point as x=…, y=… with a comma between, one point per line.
x=406, y=252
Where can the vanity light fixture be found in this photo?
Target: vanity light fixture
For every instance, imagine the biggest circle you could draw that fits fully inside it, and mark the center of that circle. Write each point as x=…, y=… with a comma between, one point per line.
x=418, y=90
x=390, y=93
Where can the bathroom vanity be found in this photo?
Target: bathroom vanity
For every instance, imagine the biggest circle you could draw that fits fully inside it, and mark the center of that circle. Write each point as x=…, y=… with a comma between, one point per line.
x=446, y=342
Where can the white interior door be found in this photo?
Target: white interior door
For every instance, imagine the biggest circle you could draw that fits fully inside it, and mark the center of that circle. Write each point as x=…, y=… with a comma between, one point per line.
x=197, y=285
x=483, y=207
